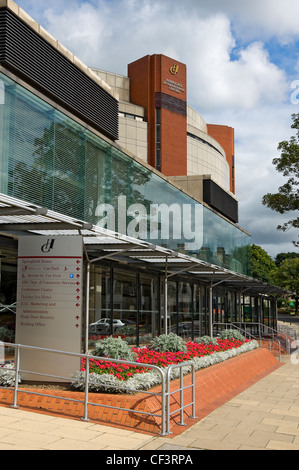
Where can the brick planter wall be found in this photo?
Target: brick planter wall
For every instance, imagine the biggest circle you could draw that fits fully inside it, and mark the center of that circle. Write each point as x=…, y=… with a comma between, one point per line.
x=213, y=387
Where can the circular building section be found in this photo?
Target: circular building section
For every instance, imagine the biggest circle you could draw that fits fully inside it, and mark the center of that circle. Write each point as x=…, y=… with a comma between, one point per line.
x=205, y=156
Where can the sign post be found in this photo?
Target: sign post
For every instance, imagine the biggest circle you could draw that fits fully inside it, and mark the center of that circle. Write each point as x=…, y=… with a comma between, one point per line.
x=49, y=304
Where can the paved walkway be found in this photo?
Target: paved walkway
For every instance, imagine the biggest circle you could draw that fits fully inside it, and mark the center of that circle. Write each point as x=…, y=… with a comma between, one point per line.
x=265, y=416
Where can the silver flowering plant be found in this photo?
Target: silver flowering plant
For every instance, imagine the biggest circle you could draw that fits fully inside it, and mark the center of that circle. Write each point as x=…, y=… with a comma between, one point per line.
x=8, y=375
x=111, y=384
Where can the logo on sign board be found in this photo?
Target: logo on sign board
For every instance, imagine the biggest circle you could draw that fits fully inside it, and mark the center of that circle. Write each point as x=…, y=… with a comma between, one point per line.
x=174, y=69
x=48, y=246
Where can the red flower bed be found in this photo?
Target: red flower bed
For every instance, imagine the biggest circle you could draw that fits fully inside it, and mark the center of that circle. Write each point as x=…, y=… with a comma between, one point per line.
x=121, y=371
x=163, y=359
x=145, y=355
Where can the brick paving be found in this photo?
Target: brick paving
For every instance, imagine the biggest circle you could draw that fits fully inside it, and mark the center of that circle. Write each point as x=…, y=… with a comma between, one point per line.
x=265, y=416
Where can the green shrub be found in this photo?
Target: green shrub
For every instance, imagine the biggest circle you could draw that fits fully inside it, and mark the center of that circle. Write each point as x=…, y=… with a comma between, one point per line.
x=205, y=340
x=6, y=335
x=116, y=348
x=231, y=334
x=126, y=330
x=168, y=343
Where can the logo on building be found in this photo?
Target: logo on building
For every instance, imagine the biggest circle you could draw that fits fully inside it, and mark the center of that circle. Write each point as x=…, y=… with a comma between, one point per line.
x=48, y=246
x=174, y=69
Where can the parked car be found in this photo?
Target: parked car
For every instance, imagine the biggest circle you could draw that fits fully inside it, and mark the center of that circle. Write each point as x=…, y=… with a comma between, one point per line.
x=130, y=323
x=103, y=326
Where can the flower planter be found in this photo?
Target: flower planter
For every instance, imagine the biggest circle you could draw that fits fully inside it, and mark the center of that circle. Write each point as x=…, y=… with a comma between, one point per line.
x=214, y=385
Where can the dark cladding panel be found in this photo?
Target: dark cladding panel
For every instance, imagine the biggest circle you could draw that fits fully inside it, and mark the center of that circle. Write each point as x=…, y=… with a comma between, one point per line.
x=33, y=59
x=172, y=104
x=220, y=200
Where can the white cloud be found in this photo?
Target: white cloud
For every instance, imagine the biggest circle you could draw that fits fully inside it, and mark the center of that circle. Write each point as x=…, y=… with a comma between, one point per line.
x=267, y=18
x=258, y=136
x=218, y=82
x=257, y=18
x=82, y=29
x=104, y=39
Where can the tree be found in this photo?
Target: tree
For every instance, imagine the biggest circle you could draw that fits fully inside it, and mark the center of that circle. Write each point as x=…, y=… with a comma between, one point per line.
x=280, y=257
x=262, y=265
x=287, y=197
x=287, y=276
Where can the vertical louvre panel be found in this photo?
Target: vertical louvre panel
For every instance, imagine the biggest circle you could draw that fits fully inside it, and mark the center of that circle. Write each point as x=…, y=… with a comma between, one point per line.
x=121, y=184
x=95, y=171
x=31, y=148
x=69, y=169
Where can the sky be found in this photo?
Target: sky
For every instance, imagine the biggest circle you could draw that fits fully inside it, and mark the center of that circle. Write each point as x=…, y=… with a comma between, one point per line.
x=242, y=71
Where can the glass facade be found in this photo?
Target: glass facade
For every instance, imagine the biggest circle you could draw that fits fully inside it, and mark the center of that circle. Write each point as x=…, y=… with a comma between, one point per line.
x=124, y=303
x=51, y=160
x=130, y=304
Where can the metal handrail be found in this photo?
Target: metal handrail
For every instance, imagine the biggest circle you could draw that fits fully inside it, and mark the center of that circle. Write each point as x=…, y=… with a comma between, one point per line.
x=181, y=390
x=290, y=331
x=165, y=380
x=8, y=307
x=246, y=333
x=269, y=331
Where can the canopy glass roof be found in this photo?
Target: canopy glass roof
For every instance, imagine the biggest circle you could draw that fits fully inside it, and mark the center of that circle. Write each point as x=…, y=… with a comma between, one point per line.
x=18, y=218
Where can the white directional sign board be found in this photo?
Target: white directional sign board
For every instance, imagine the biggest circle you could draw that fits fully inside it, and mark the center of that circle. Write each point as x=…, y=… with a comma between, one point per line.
x=49, y=304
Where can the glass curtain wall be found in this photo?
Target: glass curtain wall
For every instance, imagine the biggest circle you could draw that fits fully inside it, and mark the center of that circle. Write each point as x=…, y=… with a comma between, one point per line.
x=200, y=309
x=100, y=302
x=131, y=305
x=258, y=309
x=172, y=308
x=219, y=305
x=149, y=315
x=185, y=310
x=123, y=303
x=266, y=312
x=231, y=308
x=51, y=160
x=8, y=291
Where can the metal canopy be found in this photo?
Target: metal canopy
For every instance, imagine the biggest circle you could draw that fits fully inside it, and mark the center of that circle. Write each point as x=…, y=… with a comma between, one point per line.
x=19, y=218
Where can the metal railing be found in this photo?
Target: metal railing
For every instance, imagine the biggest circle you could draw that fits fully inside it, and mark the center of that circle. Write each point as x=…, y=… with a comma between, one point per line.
x=165, y=393
x=288, y=330
x=258, y=332
x=181, y=390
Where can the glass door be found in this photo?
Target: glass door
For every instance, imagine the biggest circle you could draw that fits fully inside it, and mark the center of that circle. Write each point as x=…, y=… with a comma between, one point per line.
x=185, y=311
x=148, y=308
